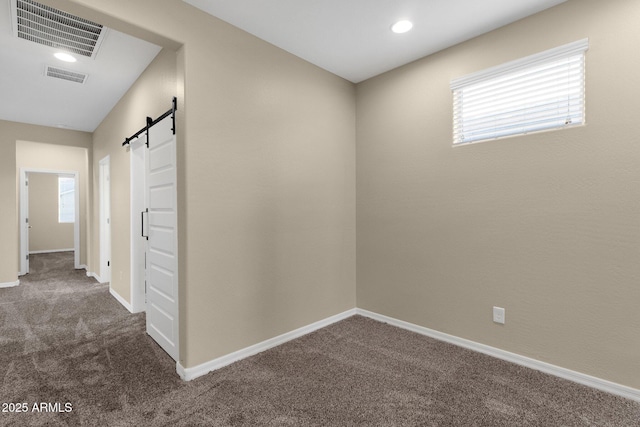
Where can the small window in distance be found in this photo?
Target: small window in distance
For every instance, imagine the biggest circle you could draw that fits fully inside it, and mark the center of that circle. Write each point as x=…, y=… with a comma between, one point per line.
x=66, y=199
x=540, y=92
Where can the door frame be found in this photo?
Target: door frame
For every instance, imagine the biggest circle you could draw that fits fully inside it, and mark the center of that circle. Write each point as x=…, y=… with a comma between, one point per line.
x=104, y=198
x=24, y=214
x=138, y=203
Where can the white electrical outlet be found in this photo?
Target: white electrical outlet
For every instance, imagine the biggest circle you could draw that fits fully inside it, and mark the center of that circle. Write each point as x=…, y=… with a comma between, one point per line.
x=498, y=315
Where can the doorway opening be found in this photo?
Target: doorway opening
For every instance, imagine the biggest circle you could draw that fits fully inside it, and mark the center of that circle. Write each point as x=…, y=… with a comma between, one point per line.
x=105, y=220
x=59, y=191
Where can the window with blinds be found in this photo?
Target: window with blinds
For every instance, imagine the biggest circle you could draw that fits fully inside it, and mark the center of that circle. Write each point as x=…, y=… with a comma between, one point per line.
x=540, y=92
x=66, y=199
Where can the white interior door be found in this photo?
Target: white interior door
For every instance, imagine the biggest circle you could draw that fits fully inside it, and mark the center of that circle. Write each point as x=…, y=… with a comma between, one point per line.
x=161, y=227
x=105, y=220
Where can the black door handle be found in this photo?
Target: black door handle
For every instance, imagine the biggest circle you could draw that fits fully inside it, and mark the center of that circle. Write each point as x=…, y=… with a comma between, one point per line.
x=142, y=223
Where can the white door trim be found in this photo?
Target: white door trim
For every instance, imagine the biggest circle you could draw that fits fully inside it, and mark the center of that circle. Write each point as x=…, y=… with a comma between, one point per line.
x=104, y=194
x=24, y=212
x=137, y=153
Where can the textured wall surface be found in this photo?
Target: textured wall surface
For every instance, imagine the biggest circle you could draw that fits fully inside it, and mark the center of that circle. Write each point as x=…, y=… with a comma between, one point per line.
x=544, y=225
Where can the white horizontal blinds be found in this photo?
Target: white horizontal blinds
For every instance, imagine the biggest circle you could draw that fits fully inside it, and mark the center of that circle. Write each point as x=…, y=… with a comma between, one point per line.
x=544, y=91
x=66, y=199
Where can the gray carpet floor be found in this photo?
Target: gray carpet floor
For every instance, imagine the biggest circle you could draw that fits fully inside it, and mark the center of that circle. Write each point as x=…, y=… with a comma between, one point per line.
x=65, y=340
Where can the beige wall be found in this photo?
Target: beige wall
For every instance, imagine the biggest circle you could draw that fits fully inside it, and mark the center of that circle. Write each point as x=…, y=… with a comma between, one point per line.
x=271, y=224
x=11, y=132
x=46, y=233
x=266, y=181
x=544, y=225
x=72, y=157
x=270, y=192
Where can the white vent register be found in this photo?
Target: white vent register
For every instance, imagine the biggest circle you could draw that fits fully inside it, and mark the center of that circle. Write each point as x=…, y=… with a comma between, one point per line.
x=45, y=25
x=59, y=73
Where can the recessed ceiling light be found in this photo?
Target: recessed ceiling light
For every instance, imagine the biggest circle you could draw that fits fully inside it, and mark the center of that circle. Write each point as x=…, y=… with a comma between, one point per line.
x=401, y=27
x=64, y=57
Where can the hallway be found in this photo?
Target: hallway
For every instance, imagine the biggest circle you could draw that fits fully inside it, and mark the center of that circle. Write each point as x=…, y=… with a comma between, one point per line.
x=65, y=340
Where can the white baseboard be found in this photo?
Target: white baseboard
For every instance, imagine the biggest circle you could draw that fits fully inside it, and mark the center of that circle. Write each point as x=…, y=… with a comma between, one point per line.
x=95, y=276
x=578, y=377
x=82, y=267
x=9, y=284
x=188, y=374
x=120, y=300
x=51, y=251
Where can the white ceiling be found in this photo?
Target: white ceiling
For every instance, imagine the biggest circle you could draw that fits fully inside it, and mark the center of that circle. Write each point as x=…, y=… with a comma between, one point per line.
x=28, y=96
x=352, y=38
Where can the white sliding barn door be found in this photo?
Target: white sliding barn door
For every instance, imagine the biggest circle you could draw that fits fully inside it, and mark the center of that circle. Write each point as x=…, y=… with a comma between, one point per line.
x=161, y=227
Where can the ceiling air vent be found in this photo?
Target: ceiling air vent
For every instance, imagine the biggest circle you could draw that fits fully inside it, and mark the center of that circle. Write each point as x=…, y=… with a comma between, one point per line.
x=59, y=73
x=52, y=27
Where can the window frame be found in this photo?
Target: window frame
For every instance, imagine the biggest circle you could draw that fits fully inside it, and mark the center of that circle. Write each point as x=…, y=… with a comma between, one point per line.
x=511, y=69
x=62, y=219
